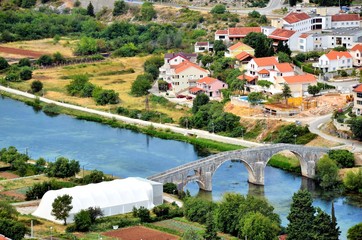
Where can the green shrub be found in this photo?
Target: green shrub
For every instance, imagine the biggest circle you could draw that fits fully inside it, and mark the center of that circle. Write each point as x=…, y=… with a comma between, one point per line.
x=12, y=77
x=344, y=158
x=26, y=73
x=51, y=109
x=36, y=86
x=170, y=188
x=38, y=190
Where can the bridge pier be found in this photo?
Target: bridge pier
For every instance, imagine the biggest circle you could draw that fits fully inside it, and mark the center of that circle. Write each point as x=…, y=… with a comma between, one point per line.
x=310, y=169
x=257, y=176
x=206, y=183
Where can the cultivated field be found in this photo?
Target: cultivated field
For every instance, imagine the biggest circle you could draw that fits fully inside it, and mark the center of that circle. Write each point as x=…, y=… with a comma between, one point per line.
x=138, y=232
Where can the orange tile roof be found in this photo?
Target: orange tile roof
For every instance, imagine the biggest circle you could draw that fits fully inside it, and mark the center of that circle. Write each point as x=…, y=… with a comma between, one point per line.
x=304, y=35
x=358, y=89
x=243, y=55
x=195, y=90
x=266, y=61
x=243, y=31
x=237, y=45
x=333, y=55
x=345, y=17
x=357, y=47
x=282, y=34
x=307, y=78
x=247, y=78
x=185, y=65
x=263, y=71
x=296, y=17
x=284, y=67
x=207, y=80
x=222, y=32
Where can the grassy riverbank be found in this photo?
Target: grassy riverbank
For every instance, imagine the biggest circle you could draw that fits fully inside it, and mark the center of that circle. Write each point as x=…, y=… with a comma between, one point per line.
x=203, y=144
x=285, y=162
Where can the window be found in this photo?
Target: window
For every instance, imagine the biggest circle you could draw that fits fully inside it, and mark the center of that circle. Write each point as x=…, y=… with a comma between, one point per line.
x=359, y=95
x=359, y=102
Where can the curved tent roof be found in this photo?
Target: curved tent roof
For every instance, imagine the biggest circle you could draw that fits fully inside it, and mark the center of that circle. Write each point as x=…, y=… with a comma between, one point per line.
x=113, y=197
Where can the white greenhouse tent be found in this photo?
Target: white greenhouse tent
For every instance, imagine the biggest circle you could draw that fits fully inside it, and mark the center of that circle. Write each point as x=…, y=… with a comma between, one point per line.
x=113, y=197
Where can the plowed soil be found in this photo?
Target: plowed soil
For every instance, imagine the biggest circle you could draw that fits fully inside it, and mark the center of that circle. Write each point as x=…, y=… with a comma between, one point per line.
x=17, y=51
x=133, y=233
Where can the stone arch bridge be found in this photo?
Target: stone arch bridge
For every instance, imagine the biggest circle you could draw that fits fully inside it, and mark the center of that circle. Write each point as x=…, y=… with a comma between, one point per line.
x=254, y=159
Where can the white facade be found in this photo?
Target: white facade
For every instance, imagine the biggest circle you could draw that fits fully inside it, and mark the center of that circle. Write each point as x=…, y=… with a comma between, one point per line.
x=113, y=197
x=334, y=61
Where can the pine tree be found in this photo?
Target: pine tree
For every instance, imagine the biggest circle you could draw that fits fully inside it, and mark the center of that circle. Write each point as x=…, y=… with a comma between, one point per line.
x=301, y=216
x=286, y=92
x=322, y=229
x=334, y=225
x=90, y=9
x=210, y=232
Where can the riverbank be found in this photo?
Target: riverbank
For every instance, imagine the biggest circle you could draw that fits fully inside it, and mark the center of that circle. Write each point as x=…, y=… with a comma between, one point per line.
x=152, y=129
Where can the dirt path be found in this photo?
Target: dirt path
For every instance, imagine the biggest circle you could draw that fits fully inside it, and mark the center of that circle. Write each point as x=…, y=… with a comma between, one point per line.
x=17, y=51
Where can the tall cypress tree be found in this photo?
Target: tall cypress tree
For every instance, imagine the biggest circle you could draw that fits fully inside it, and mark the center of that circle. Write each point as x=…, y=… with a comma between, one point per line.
x=90, y=9
x=334, y=226
x=301, y=217
x=210, y=231
x=322, y=229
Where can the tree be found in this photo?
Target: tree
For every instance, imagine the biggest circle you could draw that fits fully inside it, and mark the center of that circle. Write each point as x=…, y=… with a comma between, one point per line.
x=63, y=168
x=90, y=10
x=80, y=86
x=301, y=216
x=292, y=2
x=170, y=188
x=313, y=89
x=254, y=14
x=353, y=181
x=286, y=92
x=36, y=86
x=200, y=100
x=327, y=172
x=255, y=97
x=45, y=60
x=219, y=46
x=7, y=211
x=12, y=77
x=58, y=58
x=210, y=231
x=147, y=11
x=322, y=229
x=256, y=226
x=94, y=177
x=144, y=214
x=141, y=85
x=260, y=43
x=344, y=158
x=103, y=97
x=120, y=7
x=283, y=57
x=196, y=209
x=227, y=215
x=3, y=63
x=24, y=62
x=218, y=9
x=191, y=234
x=161, y=210
x=356, y=127
x=82, y=221
x=94, y=213
x=86, y=46
x=355, y=232
x=26, y=73
x=61, y=207
x=12, y=229
x=334, y=226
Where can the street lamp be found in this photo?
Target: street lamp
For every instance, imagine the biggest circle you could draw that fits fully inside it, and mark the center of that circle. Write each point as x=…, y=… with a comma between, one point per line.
x=51, y=233
x=213, y=127
x=295, y=139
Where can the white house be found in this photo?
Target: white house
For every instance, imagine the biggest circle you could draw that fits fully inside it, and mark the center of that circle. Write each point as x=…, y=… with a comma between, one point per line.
x=235, y=34
x=298, y=84
x=203, y=47
x=356, y=53
x=357, y=107
x=334, y=61
x=288, y=37
x=346, y=20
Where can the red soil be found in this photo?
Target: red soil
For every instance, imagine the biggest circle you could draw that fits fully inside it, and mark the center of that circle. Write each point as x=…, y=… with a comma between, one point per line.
x=17, y=51
x=133, y=233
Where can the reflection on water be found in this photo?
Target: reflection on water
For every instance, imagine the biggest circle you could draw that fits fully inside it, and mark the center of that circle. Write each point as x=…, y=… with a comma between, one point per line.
x=125, y=153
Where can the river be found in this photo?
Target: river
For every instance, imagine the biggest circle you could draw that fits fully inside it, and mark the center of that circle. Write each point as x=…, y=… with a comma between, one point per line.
x=125, y=153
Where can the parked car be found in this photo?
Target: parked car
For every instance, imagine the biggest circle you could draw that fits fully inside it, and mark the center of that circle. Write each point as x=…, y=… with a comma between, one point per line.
x=188, y=97
x=181, y=96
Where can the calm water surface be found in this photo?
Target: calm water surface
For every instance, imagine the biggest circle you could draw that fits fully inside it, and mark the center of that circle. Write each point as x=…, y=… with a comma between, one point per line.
x=124, y=153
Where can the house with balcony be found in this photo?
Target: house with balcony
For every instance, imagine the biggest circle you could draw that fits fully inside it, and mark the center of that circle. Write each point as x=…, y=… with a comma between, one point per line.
x=334, y=61
x=173, y=59
x=182, y=76
x=298, y=84
x=238, y=48
x=235, y=34
x=200, y=47
x=210, y=86
x=356, y=53
x=357, y=94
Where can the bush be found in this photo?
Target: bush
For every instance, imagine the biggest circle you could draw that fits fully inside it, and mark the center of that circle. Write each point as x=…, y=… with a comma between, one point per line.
x=38, y=190
x=353, y=181
x=63, y=168
x=141, y=85
x=218, y=9
x=24, y=62
x=12, y=229
x=45, y=60
x=3, y=63
x=36, y=86
x=12, y=77
x=327, y=172
x=80, y=86
x=26, y=74
x=344, y=158
x=103, y=97
x=196, y=209
x=170, y=188
x=162, y=210
x=142, y=213
x=355, y=232
x=82, y=221
x=51, y=109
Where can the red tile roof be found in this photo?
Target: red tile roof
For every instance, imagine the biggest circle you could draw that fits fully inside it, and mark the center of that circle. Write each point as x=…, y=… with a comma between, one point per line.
x=243, y=55
x=247, y=78
x=281, y=34
x=185, y=65
x=284, y=67
x=266, y=61
x=263, y=71
x=237, y=45
x=222, y=32
x=345, y=17
x=195, y=90
x=296, y=17
x=202, y=43
x=333, y=55
x=307, y=78
x=357, y=47
x=358, y=89
x=207, y=80
x=243, y=31
x=304, y=35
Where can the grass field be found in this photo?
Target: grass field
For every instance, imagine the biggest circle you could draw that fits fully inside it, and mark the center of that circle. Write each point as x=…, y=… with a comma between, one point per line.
x=285, y=161
x=104, y=74
x=47, y=46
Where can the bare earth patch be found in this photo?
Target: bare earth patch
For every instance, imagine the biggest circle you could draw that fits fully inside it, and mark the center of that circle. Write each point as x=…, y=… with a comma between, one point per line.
x=8, y=175
x=21, y=52
x=133, y=233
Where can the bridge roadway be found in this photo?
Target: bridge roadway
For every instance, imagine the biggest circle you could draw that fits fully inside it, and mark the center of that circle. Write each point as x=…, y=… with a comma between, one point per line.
x=254, y=159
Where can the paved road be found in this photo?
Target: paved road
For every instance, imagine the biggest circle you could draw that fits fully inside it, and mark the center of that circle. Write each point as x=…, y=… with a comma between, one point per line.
x=194, y=132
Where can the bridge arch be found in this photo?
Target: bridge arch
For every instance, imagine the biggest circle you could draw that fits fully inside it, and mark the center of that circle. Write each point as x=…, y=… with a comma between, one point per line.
x=251, y=175
x=303, y=163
